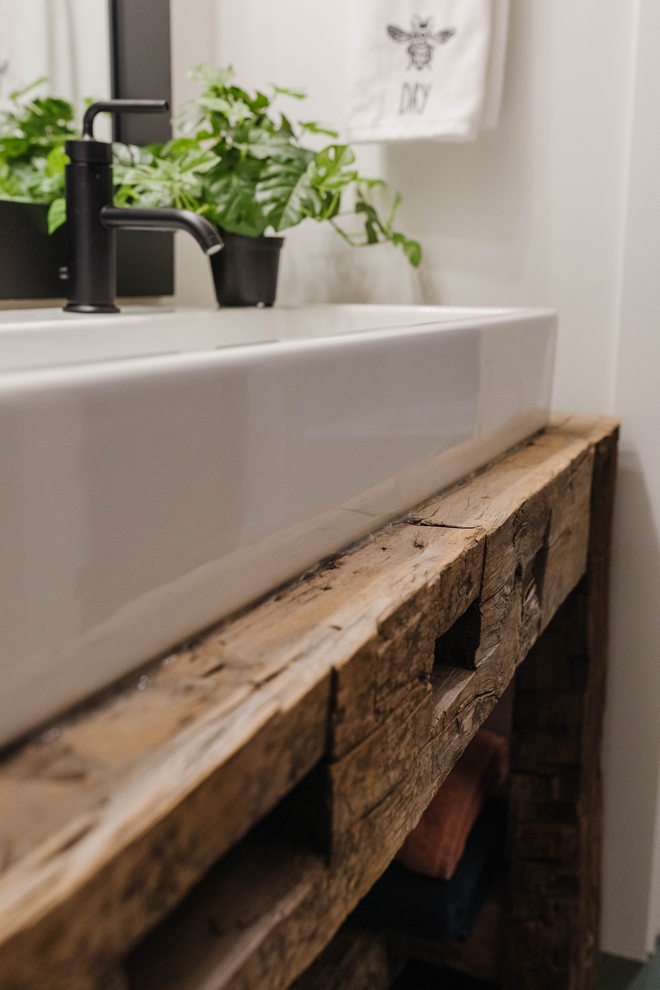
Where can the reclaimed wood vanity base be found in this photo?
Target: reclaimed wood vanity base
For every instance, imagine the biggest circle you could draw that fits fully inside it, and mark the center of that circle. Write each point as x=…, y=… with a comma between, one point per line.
x=341, y=701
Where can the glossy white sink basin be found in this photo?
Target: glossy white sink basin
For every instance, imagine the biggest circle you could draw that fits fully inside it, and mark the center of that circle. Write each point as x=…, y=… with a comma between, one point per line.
x=159, y=470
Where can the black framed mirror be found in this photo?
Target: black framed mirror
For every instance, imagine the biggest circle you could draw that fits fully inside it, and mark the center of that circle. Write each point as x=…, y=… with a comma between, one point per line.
x=141, y=68
x=137, y=36
x=140, y=50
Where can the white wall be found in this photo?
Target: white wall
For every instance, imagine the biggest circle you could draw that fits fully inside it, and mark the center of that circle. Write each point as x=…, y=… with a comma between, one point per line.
x=515, y=217
x=632, y=755
x=560, y=206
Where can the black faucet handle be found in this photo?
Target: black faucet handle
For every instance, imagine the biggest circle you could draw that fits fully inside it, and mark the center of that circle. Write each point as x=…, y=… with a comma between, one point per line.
x=119, y=106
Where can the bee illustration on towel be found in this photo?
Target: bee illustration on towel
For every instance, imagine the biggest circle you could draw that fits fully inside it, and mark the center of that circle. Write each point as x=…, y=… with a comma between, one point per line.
x=420, y=40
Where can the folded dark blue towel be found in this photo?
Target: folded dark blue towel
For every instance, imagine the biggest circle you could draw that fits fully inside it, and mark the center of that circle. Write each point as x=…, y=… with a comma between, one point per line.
x=442, y=910
x=422, y=976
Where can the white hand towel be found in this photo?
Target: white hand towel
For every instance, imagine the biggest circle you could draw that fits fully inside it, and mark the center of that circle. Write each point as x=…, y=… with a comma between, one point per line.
x=417, y=68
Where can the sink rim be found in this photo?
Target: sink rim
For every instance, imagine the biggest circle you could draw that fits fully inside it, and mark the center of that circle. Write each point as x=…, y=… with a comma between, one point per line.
x=114, y=365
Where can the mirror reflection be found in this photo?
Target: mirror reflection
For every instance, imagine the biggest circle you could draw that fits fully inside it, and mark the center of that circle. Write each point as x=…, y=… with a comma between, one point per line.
x=64, y=42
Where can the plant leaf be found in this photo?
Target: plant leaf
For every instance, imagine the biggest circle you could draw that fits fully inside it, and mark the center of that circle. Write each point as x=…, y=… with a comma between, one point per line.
x=314, y=128
x=56, y=214
x=231, y=197
x=17, y=93
x=413, y=251
x=171, y=175
x=211, y=75
x=275, y=146
x=332, y=168
x=286, y=193
x=297, y=94
x=56, y=161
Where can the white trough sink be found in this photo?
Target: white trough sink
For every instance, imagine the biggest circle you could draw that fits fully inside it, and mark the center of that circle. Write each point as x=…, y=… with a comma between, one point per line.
x=160, y=470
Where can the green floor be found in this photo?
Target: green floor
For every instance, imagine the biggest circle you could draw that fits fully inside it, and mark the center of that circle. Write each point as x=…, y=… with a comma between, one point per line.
x=622, y=974
x=617, y=973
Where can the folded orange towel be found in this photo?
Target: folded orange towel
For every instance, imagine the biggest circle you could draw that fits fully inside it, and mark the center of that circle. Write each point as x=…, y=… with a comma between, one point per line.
x=435, y=846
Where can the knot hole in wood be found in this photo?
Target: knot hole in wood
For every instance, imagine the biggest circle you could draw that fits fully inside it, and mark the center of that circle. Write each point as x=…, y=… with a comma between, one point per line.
x=458, y=646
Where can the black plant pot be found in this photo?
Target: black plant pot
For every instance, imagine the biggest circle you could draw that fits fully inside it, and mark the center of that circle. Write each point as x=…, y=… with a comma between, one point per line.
x=245, y=271
x=30, y=257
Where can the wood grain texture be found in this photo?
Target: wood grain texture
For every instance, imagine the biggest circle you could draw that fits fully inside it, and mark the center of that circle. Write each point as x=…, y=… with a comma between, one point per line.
x=257, y=694
x=529, y=517
x=552, y=932
x=354, y=960
x=112, y=815
x=119, y=870
x=460, y=701
x=371, y=682
x=534, y=509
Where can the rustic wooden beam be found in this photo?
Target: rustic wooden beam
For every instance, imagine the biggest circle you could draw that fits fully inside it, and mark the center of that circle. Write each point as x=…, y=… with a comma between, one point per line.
x=529, y=516
x=256, y=694
x=553, y=926
x=354, y=960
x=116, y=811
x=173, y=958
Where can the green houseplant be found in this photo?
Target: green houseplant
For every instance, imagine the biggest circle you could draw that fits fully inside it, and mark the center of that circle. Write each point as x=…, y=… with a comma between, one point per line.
x=237, y=160
x=32, y=162
x=245, y=166
x=266, y=177
x=32, y=136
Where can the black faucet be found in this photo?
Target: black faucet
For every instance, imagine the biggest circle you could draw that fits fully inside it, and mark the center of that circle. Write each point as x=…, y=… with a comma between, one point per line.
x=91, y=218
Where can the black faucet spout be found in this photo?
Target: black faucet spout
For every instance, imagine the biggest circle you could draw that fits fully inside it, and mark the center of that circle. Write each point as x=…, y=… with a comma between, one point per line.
x=136, y=218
